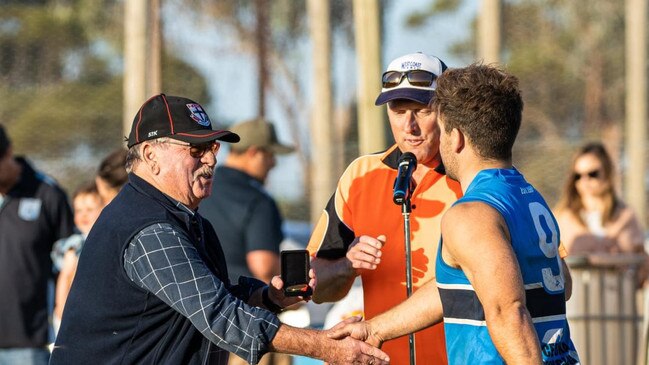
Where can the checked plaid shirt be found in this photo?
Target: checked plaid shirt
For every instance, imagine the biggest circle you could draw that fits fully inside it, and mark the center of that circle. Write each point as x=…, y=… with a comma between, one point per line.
x=163, y=261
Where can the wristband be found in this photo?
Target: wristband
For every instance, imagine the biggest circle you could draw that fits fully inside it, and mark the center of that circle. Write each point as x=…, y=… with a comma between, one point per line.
x=268, y=303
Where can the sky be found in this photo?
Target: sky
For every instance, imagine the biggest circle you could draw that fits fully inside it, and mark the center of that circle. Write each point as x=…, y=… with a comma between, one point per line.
x=231, y=73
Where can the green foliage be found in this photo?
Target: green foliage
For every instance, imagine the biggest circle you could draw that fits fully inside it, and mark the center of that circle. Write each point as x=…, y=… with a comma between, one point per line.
x=58, y=91
x=569, y=58
x=435, y=7
x=181, y=79
x=34, y=42
x=567, y=55
x=56, y=119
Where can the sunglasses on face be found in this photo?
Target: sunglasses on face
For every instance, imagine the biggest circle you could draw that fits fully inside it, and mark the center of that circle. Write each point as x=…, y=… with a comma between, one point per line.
x=415, y=78
x=199, y=150
x=595, y=174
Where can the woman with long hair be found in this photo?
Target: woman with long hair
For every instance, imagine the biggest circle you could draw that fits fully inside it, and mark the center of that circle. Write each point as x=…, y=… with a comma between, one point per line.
x=591, y=216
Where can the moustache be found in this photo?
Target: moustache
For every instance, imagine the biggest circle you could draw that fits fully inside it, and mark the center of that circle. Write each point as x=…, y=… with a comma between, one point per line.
x=206, y=172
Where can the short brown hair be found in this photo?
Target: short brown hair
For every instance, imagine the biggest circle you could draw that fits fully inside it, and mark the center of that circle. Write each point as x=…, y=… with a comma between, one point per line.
x=485, y=103
x=86, y=188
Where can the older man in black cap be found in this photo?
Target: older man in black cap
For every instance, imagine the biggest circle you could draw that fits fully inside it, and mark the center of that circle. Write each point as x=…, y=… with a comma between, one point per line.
x=152, y=285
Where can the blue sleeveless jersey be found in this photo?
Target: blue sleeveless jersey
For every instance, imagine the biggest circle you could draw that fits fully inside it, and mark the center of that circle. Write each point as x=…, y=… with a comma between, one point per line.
x=535, y=236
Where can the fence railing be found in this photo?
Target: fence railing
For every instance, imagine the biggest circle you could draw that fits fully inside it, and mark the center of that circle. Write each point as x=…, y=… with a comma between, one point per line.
x=606, y=309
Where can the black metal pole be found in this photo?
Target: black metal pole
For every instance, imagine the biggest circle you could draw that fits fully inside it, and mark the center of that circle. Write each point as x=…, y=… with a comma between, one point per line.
x=405, y=211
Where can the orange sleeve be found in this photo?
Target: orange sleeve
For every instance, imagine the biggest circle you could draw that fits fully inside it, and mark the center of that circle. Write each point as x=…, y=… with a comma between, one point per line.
x=562, y=250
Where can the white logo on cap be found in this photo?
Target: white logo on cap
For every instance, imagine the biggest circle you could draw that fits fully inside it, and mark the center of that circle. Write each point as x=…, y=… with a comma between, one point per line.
x=198, y=114
x=152, y=134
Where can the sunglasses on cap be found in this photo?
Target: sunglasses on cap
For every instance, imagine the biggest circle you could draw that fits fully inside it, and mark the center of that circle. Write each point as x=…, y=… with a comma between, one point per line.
x=415, y=78
x=595, y=174
x=199, y=150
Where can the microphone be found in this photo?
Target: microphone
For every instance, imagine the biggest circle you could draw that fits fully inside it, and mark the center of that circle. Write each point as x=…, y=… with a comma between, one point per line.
x=407, y=165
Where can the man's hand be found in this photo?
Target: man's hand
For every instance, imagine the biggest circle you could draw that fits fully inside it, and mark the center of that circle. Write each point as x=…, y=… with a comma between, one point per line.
x=316, y=344
x=352, y=351
x=365, y=253
x=276, y=292
x=356, y=328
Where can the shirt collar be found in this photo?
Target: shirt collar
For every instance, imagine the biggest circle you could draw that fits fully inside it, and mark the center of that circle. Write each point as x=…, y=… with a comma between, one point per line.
x=390, y=158
x=148, y=189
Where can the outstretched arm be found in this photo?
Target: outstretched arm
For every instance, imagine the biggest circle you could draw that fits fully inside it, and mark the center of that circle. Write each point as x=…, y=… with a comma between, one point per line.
x=421, y=310
x=316, y=344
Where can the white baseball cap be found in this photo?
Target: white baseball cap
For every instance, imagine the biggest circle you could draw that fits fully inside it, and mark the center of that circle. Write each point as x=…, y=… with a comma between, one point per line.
x=402, y=87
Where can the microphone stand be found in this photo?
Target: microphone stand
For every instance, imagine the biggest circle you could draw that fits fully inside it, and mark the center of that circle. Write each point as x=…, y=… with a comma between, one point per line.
x=405, y=211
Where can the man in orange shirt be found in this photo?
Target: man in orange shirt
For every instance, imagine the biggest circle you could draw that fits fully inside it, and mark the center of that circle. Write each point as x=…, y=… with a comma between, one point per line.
x=361, y=230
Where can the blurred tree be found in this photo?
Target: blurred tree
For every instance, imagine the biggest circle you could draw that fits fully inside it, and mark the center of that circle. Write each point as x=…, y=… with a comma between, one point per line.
x=285, y=25
x=28, y=56
x=271, y=32
x=60, y=76
x=567, y=57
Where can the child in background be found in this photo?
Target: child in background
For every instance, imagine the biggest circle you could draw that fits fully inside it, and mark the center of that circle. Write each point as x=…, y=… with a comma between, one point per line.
x=87, y=204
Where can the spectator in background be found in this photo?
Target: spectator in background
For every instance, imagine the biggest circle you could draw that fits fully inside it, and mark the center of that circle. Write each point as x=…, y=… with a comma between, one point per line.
x=591, y=216
x=244, y=215
x=88, y=202
x=87, y=205
x=34, y=213
x=111, y=175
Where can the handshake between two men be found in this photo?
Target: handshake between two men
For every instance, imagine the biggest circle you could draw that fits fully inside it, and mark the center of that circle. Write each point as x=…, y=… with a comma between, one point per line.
x=341, y=345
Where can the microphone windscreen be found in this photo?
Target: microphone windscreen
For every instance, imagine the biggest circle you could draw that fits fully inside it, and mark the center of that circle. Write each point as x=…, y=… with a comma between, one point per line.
x=410, y=157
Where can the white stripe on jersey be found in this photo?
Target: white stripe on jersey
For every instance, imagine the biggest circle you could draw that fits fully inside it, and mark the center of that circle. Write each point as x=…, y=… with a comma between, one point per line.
x=469, y=322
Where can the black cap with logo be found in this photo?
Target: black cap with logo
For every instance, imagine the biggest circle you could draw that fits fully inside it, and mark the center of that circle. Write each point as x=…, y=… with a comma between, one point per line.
x=175, y=117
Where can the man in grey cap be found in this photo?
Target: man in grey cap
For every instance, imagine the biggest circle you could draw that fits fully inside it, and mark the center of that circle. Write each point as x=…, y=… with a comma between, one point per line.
x=245, y=217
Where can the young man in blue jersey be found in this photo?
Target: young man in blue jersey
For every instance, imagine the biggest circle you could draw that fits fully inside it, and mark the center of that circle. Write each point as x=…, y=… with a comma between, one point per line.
x=500, y=286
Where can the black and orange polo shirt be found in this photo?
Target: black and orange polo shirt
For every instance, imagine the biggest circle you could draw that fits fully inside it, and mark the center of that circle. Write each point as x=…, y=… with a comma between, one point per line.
x=362, y=205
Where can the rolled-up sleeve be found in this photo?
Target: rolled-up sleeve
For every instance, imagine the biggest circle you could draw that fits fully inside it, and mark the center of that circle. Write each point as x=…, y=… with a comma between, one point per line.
x=163, y=261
